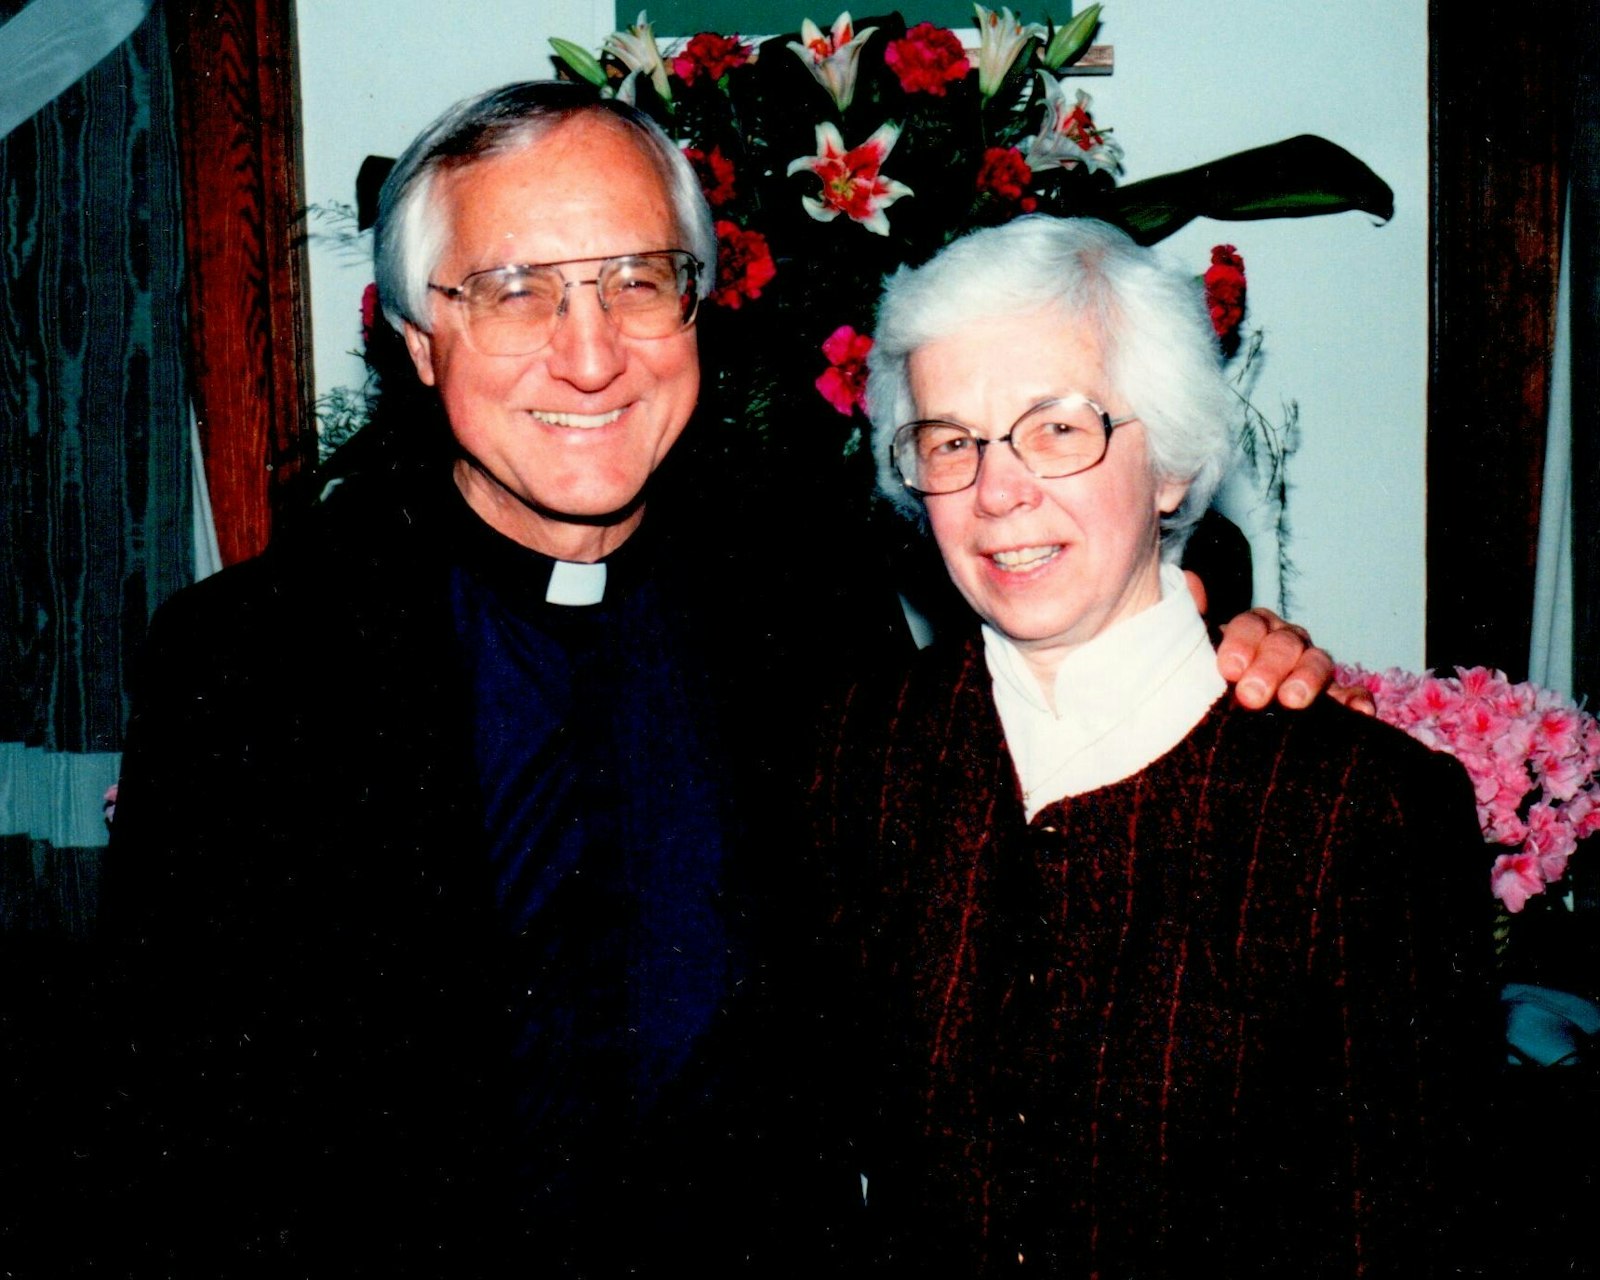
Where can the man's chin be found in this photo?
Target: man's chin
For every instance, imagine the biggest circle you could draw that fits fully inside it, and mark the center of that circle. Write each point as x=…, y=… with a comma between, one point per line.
x=582, y=526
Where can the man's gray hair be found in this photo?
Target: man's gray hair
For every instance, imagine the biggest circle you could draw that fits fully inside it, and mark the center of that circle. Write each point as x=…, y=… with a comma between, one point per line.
x=409, y=238
x=1161, y=354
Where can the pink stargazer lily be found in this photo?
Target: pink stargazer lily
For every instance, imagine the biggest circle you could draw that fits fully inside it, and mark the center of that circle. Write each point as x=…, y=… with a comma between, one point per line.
x=832, y=58
x=1000, y=40
x=852, y=181
x=1068, y=135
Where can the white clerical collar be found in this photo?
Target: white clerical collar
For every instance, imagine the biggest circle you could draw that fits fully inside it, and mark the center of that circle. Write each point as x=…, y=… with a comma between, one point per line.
x=1122, y=699
x=576, y=583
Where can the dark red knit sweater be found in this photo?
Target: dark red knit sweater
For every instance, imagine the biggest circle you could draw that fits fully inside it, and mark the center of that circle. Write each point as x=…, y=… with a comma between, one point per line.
x=1220, y=1018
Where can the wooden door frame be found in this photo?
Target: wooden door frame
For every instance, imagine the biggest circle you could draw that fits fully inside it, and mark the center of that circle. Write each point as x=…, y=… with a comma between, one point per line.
x=237, y=103
x=1500, y=138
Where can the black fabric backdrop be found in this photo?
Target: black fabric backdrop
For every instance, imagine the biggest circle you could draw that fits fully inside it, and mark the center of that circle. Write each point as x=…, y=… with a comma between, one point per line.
x=95, y=523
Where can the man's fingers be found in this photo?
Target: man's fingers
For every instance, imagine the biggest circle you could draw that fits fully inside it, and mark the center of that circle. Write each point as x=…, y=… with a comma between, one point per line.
x=1268, y=657
x=1354, y=697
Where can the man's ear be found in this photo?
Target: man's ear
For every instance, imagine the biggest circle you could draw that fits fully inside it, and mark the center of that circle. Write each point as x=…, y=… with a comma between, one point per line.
x=420, y=345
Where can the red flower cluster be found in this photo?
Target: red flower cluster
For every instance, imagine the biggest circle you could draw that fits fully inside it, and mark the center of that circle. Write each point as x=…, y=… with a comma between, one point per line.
x=1224, y=282
x=926, y=59
x=844, y=383
x=715, y=172
x=710, y=54
x=1006, y=175
x=744, y=265
x=369, y=312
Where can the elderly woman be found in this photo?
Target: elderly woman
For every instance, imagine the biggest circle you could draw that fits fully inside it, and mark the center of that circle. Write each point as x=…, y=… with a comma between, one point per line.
x=1155, y=986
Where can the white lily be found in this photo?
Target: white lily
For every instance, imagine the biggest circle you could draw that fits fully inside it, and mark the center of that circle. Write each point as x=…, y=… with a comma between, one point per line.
x=1068, y=135
x=832, y=58
x=1000, y=39
x=636, y=49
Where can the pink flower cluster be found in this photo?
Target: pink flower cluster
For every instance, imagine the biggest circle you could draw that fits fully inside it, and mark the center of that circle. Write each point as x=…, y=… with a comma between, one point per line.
x=1532, y=756
x=843, y=383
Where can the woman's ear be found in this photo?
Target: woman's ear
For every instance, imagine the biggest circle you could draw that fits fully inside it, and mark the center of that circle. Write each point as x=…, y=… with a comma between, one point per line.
x=1169, y=496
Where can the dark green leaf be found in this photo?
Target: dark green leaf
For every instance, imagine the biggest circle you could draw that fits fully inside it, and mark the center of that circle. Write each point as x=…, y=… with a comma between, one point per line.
x=1299, y=177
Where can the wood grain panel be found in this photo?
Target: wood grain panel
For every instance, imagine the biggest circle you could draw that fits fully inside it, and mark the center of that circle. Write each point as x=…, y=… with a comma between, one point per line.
x=237, y=105
x=1499, y=137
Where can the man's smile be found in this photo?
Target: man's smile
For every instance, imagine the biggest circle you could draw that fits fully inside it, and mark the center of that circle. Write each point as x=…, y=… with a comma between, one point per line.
x=582, y=421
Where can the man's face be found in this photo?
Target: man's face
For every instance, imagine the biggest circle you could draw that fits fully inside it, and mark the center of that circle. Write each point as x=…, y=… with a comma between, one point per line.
x=558, y=444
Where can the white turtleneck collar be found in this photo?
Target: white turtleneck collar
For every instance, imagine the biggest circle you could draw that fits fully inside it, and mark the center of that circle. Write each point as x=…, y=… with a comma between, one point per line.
x=1122, y=699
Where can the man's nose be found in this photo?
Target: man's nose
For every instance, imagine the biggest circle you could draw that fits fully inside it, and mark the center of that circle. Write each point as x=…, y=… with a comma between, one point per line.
x=586, y=349
x=1004, y=484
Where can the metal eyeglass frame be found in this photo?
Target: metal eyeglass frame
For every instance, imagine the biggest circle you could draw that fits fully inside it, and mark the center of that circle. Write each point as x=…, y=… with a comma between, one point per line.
x=1107, y=423
x=691, y=264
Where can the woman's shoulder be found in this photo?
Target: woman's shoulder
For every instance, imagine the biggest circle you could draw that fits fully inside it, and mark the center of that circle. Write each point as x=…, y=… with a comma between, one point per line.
x=1327, y=748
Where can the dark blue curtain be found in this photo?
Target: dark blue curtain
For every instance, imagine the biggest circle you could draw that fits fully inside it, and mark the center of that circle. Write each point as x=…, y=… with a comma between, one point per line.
x=95, y=520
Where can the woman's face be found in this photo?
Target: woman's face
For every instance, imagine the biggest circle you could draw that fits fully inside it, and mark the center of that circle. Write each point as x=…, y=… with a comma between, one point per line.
x=1049, y=563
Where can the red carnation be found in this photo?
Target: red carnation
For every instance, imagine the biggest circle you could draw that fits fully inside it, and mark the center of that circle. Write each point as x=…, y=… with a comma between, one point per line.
x=926, y=59
x=1224, y=281
x=715, y=172
x=844, y=383
x=1006, y=174
x=712, y=54
x=744, y=265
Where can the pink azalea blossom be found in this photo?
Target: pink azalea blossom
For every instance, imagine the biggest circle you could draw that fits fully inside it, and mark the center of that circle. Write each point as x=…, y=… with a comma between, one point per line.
x=852, y=181
x=1533, y=757
x=832, y=58
x=1515, y=878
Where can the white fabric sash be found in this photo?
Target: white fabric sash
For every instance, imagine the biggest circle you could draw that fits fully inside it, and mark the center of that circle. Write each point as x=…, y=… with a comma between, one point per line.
x=52, y=44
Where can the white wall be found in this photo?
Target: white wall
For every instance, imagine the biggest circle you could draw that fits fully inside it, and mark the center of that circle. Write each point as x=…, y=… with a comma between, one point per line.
x=1344, y=303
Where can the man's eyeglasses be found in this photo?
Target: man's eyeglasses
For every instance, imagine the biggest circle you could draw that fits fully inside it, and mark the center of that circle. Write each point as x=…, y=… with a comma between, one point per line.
x=1054, y=439
x=514, y=311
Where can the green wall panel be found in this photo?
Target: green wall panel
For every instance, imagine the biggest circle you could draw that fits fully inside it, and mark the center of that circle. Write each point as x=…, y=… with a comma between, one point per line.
x=773, y=17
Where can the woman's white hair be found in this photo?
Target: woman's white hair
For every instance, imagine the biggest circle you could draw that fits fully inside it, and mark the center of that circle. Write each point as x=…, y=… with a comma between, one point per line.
x=409, y=238
x=1161, y=354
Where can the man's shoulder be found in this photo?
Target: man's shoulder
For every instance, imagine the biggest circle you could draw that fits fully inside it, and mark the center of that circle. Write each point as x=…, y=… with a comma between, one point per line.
x=358, y=536
x=345, y=583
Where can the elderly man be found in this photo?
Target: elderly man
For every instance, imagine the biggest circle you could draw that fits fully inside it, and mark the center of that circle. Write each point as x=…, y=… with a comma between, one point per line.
x=452, y=834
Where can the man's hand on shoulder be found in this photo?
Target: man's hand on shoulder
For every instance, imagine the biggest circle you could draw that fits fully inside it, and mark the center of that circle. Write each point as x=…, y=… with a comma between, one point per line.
x=1266, y=658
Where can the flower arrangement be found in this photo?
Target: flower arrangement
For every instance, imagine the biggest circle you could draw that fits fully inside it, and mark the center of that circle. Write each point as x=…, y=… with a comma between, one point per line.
x=1533, y=757
x=832, y=156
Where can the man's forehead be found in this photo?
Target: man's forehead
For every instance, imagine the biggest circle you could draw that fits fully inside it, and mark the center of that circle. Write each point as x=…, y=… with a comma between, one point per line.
x=587, y=188
x=587, y=149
